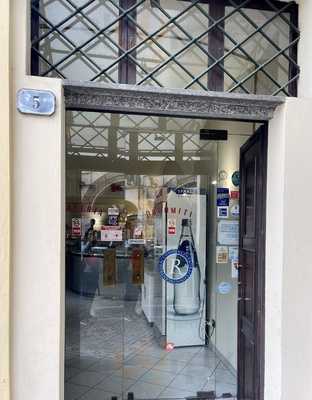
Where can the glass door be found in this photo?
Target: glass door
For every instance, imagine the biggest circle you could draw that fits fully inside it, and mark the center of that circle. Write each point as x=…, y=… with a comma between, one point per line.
x=142, y=274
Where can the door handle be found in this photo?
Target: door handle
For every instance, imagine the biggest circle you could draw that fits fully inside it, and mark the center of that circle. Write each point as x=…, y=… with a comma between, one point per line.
x=244, y=299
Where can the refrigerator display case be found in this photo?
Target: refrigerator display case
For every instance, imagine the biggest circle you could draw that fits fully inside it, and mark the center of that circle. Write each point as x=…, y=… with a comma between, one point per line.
x=181, y=224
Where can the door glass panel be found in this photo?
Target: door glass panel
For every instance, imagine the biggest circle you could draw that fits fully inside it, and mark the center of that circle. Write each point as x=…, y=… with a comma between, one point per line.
x=150, y=293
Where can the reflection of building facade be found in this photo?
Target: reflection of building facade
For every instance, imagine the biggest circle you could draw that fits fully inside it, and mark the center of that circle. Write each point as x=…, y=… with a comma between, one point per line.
x=134, y=82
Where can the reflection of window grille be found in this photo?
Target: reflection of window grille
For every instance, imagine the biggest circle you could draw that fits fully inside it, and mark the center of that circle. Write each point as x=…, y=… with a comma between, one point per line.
x=117, y=137
x=247, y=46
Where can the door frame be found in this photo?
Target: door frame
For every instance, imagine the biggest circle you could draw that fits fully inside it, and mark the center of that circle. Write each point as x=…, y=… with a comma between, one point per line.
x=131, y=99
x=260, y=271
x=147, y=100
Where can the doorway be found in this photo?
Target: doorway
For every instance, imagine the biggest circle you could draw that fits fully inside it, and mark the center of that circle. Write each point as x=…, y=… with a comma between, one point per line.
x=152, y=256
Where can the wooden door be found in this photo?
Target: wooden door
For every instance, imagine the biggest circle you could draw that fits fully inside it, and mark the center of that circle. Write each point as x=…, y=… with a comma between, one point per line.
x=253, y=166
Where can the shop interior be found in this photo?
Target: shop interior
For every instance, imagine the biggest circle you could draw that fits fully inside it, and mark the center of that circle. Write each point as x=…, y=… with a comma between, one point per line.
x=152, y=228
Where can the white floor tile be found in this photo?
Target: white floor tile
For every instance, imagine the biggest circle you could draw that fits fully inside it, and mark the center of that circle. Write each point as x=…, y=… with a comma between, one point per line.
x=142, y=361
x=144, y=390
x=131, y=372
x=180, y=355
x=87, y=378
x=204, y=361
x=190, y=383
x=82, y=362
x=73, y=392
x=225, y=376
x=170, y=365
x=197, y=370
x=208, y=352
x=220, y=387
x=96, y=394
x=156, y=377
x=154, y=351
x=115, y=384
x=175, y=394
x=105, y=364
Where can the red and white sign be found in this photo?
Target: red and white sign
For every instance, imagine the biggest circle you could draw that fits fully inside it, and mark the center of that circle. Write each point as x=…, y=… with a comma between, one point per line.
x=111, y=233
x=235, y=195
x=172, y=226
x=76, y=226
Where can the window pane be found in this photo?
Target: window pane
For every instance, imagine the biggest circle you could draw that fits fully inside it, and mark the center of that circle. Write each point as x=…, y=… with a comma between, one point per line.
x=169, y=57
x=256, y=37
x=168, y=43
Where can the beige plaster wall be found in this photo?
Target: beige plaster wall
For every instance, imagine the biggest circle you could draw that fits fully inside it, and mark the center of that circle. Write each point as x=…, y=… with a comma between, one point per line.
x=274, y=255
x=38, y=251
x=288, y=355
x=297, y=263
x=305, y=48
x=38, y=232
x=5, y=190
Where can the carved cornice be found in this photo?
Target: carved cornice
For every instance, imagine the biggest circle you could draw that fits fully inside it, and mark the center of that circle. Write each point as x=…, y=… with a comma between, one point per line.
x=91, y=96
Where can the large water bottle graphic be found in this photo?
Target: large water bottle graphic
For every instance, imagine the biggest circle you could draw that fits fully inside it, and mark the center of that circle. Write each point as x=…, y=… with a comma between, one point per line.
x=186, y=300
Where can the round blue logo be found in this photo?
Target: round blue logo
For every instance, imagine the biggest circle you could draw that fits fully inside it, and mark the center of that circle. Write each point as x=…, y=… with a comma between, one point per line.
x=175, y=266
x=236, y=178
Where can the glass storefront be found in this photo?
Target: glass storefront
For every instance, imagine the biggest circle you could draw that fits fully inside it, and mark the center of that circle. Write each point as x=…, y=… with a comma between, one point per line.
x=152, y=210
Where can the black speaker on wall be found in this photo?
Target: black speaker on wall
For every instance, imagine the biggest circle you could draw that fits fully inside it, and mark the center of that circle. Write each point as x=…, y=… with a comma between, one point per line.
x=213, y=134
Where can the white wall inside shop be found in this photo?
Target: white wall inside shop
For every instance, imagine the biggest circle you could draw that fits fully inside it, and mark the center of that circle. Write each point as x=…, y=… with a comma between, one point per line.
x=223, y=308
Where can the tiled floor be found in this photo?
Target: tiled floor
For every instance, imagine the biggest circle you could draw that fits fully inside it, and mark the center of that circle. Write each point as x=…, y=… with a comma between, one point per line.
x=115, y=352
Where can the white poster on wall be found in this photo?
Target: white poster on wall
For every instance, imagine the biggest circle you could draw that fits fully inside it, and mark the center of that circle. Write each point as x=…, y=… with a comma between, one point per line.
x=233, y=256
x=234, y=270
x=222, y=255
x=111, y=234
x=233, y=253
x=228, y=233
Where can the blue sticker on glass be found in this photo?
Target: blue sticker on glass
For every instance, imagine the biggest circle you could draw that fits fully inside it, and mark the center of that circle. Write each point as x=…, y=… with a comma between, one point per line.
x=224, y=287
x=223, y=197
x=236, y=178
x=113, y=220
x=223, y=212
x=175, y=266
